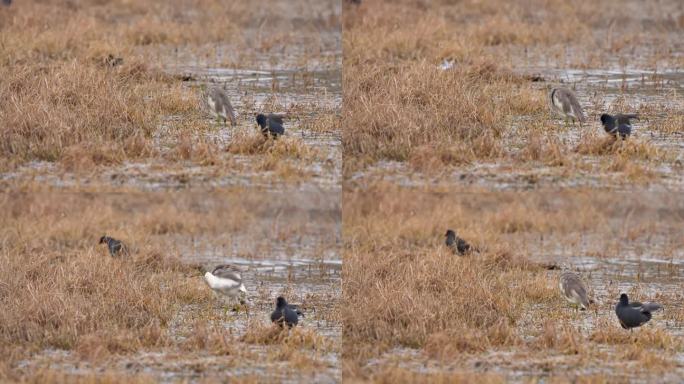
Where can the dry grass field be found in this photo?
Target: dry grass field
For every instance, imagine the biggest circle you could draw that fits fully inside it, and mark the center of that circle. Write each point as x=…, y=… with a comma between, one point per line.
x=447, y=125
x=63, y=103
x=487, y=117
x=402, y=119
x=72, y=312
x=422, y=314
x=105, y=132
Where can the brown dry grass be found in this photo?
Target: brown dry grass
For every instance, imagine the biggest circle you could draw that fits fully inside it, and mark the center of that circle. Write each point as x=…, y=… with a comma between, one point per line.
x=59, y=101
x=210, y=337
x=60, y=289
x=658, y=338
x=400, y=106
x=409, y=108
x=76, y=109
x=284, y=147
x=422, y=296
x=56, y=376
x=296, y=338
x=455, y=310
x=426, y=311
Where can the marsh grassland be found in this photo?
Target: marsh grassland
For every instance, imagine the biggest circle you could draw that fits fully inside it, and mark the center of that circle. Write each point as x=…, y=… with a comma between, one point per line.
x=447, y=125
x=486, y=119
x=423, y=314
x=104, y=132
x=69, y=114
x=72, y=312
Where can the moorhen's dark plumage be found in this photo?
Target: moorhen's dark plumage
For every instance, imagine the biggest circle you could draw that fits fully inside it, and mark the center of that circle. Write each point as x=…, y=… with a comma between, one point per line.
x=635, y=314
x=116, y=247
x=285, y=314
x=456, y=244
x=619, y=124
x=271, y=125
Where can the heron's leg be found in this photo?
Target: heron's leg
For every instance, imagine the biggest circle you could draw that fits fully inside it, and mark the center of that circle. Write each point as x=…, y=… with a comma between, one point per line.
x=241, y=303
x=236, y=304
x=232, y=309
x=212, y=304
x=221, y=301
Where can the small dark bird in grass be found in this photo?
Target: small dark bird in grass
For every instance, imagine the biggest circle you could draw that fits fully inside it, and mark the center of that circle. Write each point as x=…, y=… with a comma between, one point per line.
x=270, y=125
x=457, y=245
x=619, y=124
x=285, y=314
x=635, y=314
x=116, y=247
x=112, y=61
